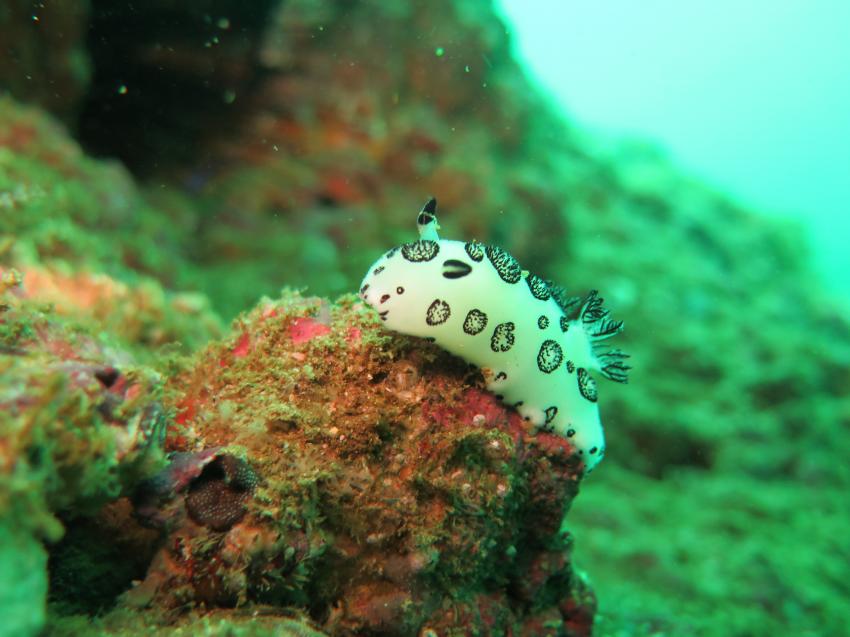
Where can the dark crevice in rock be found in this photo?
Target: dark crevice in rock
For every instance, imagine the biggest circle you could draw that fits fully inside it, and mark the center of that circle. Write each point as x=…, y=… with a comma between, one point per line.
x=167, y=78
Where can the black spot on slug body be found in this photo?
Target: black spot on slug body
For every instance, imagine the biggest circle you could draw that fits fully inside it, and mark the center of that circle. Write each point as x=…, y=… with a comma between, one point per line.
x=420, y=251
x=475, y=322
x=565, y=324
x=586, y=385
x=538, y=287
x=501, y=376
x=549, y=357
x=455, y=269
x=507, y=267
x=475, y=251
x=503, y=337
x=378, y=270
x=570, y=367
x=438, y=313
x=542, y=322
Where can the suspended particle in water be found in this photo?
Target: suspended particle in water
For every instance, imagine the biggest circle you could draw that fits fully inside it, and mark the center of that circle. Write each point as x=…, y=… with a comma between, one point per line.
x=439, y=51
x=122, y=90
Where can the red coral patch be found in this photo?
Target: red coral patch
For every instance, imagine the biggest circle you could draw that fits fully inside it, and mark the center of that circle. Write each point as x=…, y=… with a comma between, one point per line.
x=243, y=345
x=304, y=329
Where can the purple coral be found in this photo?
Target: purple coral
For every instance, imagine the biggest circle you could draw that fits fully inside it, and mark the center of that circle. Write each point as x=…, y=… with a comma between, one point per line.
x=218, y=486
x=217, y=498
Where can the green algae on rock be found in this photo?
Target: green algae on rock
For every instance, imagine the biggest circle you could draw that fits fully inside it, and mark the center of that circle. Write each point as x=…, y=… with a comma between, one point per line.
x=80, y=421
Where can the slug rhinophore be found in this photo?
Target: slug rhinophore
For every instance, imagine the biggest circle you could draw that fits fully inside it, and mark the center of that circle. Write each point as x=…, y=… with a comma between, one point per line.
x=535, y=345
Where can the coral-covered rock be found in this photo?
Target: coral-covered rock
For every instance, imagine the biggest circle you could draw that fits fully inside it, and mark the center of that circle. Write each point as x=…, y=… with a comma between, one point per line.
x=78, y=421
x=392, y=486
x=142, y=314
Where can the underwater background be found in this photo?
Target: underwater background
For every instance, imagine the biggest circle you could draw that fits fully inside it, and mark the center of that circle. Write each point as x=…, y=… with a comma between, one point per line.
x=203, y=430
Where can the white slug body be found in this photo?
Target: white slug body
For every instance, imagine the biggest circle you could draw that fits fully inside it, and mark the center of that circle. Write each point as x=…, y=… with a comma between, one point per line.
x=534, y=345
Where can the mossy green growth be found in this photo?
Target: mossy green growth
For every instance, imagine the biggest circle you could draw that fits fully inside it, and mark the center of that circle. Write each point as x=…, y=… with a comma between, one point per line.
x=65, y=440
x=749, y=555
x=23, y=584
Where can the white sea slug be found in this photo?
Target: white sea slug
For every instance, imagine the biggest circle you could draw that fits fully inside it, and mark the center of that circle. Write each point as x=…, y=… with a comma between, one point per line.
x=534, y=345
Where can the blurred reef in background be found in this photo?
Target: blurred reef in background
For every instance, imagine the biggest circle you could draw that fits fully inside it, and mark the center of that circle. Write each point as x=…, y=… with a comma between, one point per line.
x=166, y=165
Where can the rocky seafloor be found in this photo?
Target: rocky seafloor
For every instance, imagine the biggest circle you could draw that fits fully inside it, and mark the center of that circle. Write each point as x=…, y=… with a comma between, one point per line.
x=202, y=431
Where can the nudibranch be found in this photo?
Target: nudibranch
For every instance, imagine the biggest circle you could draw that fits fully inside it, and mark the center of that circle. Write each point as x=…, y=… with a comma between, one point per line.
x=535, y=345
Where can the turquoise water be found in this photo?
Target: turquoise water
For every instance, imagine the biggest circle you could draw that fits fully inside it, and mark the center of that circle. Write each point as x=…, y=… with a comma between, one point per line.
x=750, y=97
